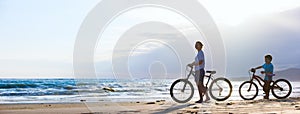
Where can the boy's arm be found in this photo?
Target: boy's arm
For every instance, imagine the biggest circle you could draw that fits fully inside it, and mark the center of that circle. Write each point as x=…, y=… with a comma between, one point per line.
x=259, y=67
x=253, y=69
x=269, y=73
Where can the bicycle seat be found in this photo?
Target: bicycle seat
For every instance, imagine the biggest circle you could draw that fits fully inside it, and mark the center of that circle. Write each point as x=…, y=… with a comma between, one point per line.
x=271, y=75
x=211, y=72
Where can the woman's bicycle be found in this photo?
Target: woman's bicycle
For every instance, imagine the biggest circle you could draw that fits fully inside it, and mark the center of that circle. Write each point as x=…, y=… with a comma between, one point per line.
x=182, y=90
x=280, y=88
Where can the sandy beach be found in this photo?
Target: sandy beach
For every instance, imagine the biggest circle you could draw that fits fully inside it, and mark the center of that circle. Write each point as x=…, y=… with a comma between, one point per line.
x=283, y=106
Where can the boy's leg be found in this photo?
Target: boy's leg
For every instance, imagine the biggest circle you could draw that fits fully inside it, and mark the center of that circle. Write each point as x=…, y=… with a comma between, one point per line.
x=266, y=88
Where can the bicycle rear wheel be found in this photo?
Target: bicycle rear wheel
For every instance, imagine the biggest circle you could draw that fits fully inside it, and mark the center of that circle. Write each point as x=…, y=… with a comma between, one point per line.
x=220, y=89
x=182, y=91
x=247, y=92
x=281, y=88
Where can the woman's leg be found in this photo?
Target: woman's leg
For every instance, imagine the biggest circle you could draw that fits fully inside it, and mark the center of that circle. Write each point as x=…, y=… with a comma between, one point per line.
x=200, y=86
x=203, y=88
x=206, y=94
x=199, y=83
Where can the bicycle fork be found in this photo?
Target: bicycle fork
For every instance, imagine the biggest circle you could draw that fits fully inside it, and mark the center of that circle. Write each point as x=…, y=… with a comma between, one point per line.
x=251, y=81
x=185, y=82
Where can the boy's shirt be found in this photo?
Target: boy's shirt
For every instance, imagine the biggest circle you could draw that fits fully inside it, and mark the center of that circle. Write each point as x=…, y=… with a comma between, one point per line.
x=268, y=68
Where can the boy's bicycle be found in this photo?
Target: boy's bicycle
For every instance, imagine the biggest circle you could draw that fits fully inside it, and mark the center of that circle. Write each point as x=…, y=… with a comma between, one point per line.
x=182, y=90
x=280, y=88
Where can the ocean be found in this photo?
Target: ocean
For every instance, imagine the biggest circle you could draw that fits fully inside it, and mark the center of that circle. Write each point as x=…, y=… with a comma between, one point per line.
x=97, y=90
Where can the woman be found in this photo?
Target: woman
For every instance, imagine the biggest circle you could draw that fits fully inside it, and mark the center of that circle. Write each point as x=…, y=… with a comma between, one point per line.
x=199, y=64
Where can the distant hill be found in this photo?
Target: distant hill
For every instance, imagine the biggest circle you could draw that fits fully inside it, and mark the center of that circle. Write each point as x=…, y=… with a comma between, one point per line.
x=292, y=74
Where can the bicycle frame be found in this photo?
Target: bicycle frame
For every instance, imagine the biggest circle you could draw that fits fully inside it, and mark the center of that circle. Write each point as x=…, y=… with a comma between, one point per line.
x=210, y=77
x=260, y=80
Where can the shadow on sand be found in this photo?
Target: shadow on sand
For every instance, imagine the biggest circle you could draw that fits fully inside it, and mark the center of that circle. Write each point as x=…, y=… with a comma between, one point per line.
x=173, y=108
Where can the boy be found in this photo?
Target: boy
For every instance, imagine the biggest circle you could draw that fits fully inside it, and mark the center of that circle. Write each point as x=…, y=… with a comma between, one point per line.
x=268, y=67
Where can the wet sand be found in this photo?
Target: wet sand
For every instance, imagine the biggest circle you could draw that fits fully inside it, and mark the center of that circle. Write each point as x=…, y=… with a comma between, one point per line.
x=281, y=106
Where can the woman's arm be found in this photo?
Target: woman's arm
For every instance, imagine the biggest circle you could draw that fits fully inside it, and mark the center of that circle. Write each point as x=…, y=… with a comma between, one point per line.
x=196, y=64
x=200, y=62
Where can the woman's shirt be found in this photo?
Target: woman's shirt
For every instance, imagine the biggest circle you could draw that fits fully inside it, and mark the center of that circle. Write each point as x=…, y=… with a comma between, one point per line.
x=199, y=57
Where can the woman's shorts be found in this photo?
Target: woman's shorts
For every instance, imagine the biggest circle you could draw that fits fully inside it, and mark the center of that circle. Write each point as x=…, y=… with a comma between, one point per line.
x=199, y=76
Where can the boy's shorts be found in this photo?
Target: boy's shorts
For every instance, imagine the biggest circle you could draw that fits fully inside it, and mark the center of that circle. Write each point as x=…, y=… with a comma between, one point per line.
x=268, y=78
x=199, y=76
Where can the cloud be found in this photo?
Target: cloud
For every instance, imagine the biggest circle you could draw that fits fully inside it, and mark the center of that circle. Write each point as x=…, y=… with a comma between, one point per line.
x=145, y=47
x=249, y=42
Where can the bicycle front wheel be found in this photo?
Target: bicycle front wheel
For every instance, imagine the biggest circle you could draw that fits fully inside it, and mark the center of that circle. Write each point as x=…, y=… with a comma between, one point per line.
x=248, y=90
x=220, y=89
x=182, y=91
x=281, y=88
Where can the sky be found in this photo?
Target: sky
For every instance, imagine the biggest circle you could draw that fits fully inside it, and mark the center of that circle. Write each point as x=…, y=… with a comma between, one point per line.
x=37, y=37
